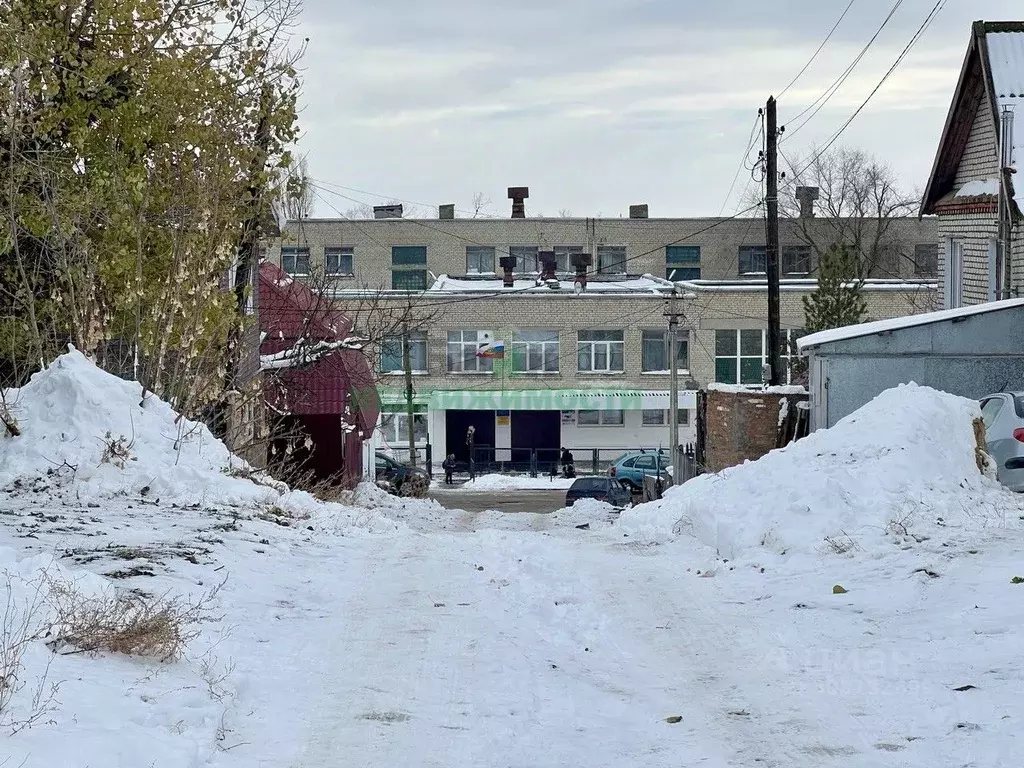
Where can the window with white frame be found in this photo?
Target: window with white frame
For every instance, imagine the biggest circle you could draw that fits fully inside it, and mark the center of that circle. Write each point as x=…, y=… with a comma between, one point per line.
x=462, y=349
x=653, y=417
x=535, y=352
x=796, y=260
x=526, y=257
x=601, y=351
x=295, y=260
x=656, y=417
x=563, y=256
x=394, y=428
x=339, y=260
x=753, y=260
x=954, y=283
x=391, y=353
x=611, y=259
x=654, y=351
x=740, y=355
x=479, y=259
x=607, y=418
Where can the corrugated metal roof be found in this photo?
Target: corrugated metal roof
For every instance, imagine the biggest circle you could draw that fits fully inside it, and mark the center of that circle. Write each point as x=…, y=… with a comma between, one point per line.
x=1006, y=59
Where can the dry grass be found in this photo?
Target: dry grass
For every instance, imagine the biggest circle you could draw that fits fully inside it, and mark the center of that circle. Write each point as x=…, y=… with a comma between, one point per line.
x=125, y=622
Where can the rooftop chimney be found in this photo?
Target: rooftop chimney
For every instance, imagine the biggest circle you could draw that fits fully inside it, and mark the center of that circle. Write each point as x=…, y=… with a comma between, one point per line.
x=806, y=196
x=446, y=211
x=548, y=265
x=517, y=195
x=387, y=211
x=508, y=264
x=1006, y=138
x=638, y=211
x=580, y=262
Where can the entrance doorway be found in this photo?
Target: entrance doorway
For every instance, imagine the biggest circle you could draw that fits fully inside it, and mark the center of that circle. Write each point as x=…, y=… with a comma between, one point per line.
x=457, y=423
x=538, y=431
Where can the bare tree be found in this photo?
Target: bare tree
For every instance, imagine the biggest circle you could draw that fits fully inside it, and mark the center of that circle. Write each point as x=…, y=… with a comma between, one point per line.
x=365, y=211
x=481, y=202
x=860, y=206
x=295, y=194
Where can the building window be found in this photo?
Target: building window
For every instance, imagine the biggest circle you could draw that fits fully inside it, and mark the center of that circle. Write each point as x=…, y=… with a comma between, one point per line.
x=610, y=418
x=611, y=259
x=796, y=260
x=654, y=351
x=295, y=261
x=339, y=261
x=926, y=260
x=394, y=428
x=563, y=255
x=682, y=262
x=740, y=355
x=657, y=417
x=601, y=351
x=535, y=352
x=408, y=268
x=653, y=417
x=954, y=274
x=753, y=260
x=526, y=257
x=462, y=349
x=391, y=353
x=479, y=259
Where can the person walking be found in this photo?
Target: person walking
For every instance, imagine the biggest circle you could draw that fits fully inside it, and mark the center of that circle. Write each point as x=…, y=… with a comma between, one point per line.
x=448, y=465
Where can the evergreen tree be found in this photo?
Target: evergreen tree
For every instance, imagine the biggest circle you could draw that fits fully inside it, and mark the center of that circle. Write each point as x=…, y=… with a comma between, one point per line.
x=838, y=300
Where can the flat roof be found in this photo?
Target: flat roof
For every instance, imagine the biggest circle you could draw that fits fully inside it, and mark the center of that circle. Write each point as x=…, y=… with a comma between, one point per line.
x=898, y=323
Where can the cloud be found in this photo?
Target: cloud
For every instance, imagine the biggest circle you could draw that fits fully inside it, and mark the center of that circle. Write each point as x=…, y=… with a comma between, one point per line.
x=599, y=103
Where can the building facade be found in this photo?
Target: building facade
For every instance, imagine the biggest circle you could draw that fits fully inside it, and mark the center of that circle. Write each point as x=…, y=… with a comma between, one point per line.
x=583, y=367
x=973, y=189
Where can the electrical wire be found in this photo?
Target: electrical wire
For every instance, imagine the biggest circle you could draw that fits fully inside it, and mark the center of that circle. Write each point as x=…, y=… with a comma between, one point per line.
x=820, y=47
x=829, y=92
x=932, y=15
x=751, y=140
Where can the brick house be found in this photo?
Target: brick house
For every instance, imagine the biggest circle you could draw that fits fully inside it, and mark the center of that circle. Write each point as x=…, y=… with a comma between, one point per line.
x=319, y=391
x=973, y=188
x=587, y=369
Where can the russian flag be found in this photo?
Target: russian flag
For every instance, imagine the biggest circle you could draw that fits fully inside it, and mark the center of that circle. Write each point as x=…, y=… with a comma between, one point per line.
x=494, y=350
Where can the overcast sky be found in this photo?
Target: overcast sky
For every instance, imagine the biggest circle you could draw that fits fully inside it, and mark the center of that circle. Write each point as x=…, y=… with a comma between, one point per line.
x=597, y=104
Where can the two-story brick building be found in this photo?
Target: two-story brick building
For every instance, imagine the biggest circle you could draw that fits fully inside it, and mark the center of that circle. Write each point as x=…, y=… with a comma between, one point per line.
x=585, y=368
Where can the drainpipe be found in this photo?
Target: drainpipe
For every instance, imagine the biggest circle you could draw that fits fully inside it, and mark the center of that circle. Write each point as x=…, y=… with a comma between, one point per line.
x=1004, y=231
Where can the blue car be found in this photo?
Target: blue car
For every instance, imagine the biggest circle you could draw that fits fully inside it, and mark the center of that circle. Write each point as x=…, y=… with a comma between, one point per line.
x=630, y=468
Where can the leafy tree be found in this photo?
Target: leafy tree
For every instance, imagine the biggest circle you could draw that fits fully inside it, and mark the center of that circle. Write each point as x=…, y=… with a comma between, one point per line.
x=140, y=142
x=838, y=300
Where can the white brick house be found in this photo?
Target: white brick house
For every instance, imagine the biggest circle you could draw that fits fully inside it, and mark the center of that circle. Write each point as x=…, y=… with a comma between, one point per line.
x=973, y=188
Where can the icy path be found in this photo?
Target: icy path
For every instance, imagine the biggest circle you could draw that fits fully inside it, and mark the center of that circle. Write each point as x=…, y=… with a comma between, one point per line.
x=497, y=648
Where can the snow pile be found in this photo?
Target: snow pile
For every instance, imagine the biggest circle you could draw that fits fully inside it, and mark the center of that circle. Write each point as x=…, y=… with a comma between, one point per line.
x=906, y=459
x=79, y=421
x=496, y=482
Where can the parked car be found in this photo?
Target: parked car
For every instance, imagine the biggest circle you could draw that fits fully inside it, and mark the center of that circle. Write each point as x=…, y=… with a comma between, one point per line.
x=394, y=475
x=601, y=488
x=630, y=468
x=1003, y=414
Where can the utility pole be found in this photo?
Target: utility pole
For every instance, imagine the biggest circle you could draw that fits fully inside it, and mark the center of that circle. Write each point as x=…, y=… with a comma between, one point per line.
x=772, y=244
x=673, y=385
x=409, y=411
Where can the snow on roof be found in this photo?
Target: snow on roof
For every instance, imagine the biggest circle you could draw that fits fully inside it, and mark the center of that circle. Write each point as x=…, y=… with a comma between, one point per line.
x=978, y=188
x=645, y=284
x=1006, y=60
x=742, y=389
x=897, y=323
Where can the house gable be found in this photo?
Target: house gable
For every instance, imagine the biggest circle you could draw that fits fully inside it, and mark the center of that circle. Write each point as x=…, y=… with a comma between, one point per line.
x=980, y=158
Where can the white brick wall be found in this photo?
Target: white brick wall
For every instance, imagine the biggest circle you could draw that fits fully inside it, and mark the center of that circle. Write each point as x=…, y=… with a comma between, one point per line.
x=981, y=157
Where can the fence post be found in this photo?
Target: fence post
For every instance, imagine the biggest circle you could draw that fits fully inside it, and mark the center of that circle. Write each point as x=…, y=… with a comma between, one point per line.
x=429, y=455
x=533, y=462
x=597, y=458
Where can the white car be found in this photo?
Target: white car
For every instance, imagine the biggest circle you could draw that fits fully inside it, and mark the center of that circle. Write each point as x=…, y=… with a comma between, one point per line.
x=1003, y=414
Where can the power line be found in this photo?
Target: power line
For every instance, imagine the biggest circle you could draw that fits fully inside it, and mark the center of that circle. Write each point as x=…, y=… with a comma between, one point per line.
x=751, y=140
x=829, y=92
x=935, y=11
x=820, y=47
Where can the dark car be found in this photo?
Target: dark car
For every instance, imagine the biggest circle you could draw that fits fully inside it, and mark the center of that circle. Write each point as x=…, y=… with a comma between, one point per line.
x=394, y=474
x=601, y=488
